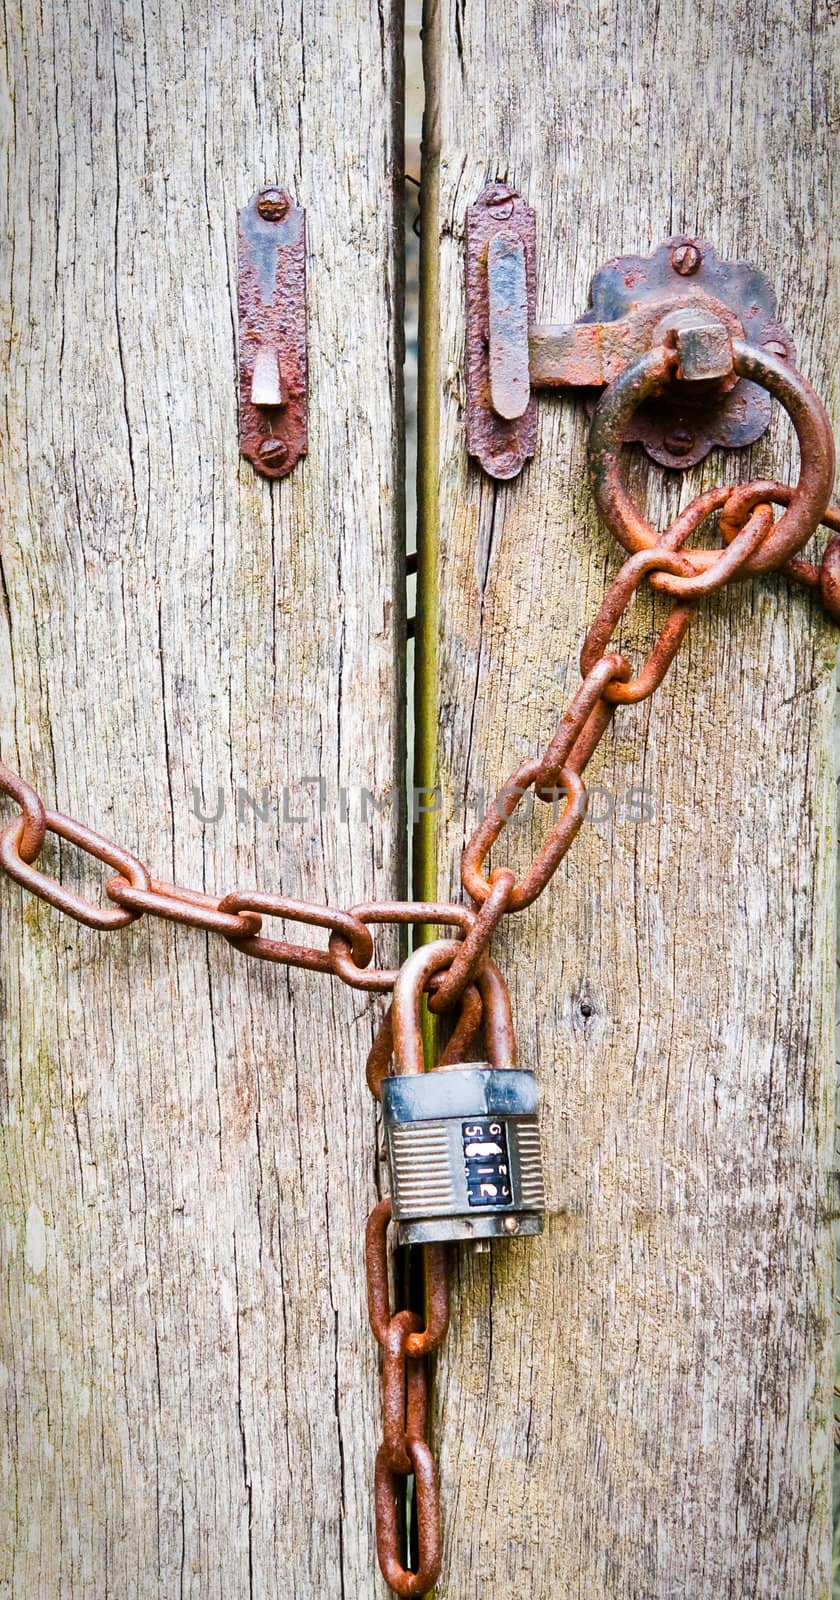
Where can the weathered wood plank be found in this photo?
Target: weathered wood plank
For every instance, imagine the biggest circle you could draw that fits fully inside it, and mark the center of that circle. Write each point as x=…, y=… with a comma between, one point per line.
x=638, y=1405
x=189, y=1393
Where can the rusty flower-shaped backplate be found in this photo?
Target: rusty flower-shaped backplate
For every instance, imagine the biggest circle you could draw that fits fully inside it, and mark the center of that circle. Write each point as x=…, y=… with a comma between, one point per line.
x=681, y=428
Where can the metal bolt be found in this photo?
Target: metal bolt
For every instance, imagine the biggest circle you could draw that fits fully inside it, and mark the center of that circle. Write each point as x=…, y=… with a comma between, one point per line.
x=679, y=441
x=685, y=259
x=775, y=348
x=273, y=205
x=511, y=1224
x=273, y=452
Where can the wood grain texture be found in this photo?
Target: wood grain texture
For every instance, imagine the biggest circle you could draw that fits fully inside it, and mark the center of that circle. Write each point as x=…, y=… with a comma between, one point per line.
x=637, y=1406
x=189, y=1389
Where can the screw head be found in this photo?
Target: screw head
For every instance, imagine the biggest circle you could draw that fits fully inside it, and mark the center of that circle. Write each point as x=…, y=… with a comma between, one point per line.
x=685, y=259
x=273, y=452
x=679, y=441
x=774, y=347
x=499, y=198
x=511, y=1224
x=273, y=204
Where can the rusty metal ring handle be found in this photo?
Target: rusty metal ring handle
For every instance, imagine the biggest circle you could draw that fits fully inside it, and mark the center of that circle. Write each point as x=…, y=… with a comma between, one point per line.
x=647, y=377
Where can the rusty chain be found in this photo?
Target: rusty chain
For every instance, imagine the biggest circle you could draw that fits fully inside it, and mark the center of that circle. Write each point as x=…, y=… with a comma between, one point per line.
x=404, y=1452
x=465, y=989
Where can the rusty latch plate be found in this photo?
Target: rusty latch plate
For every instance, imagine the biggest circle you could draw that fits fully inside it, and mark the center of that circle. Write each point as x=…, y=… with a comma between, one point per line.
x=502, y=443
x=272, y=332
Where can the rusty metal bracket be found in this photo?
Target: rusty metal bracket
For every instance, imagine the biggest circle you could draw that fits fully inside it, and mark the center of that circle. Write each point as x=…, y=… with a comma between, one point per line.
x=682, y=294
x=272, y=332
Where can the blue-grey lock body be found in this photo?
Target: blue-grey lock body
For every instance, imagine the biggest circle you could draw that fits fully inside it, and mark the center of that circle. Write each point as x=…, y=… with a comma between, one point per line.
x=463, y=1149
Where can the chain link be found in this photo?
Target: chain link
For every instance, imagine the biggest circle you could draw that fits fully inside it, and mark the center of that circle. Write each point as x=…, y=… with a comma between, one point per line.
x=472, y=983
x=404, y=1453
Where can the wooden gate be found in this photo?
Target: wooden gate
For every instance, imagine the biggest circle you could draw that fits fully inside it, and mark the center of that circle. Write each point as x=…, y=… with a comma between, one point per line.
x=210, y=669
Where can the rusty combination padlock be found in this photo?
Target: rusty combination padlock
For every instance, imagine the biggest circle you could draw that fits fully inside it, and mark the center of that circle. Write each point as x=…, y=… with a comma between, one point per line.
x=462, y=1141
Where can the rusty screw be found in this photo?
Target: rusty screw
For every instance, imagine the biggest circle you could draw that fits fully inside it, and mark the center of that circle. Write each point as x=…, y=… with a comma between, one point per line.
x=775, y=348
x=273, y=205
x=685, y=259
x=499, y=199
x=679, y=441
x=273, y=452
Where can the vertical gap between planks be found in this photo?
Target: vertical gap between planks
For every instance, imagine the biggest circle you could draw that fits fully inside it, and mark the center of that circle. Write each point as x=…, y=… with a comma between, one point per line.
x=426, y=628
x=424, y=794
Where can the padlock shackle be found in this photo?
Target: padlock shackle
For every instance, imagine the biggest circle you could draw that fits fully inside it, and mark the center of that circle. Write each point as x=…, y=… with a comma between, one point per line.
x=497, y=1021
x=413, y=978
